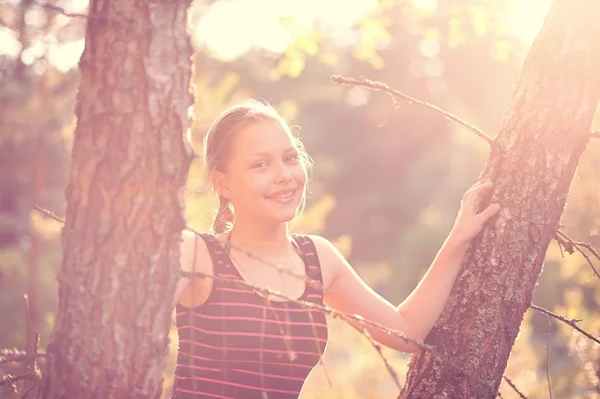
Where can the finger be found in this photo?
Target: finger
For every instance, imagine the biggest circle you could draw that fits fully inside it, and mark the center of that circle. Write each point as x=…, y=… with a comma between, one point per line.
x=488, y=212
x=482, y=187
x=475, y=196
x=477, y=187
x=476, y=191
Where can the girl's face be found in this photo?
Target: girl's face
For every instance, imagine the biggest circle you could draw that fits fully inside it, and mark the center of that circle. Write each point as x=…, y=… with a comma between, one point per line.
x=265, y=178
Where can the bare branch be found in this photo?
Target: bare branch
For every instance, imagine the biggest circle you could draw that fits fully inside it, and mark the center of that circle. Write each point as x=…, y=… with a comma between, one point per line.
x=334, y=313
x=548, y=356
x=60, y=10
x=356, y=319
x=49, y=214
x=513, y=386
x=267, y=293
x=9, y=379
x=379, y=86
x=570, y=322
x=21, y=358
x=387, y=364
x=570, y=246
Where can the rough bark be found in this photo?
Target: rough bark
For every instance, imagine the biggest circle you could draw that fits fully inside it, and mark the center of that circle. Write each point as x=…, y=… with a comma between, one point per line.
x=532, y=163
x=130, y=160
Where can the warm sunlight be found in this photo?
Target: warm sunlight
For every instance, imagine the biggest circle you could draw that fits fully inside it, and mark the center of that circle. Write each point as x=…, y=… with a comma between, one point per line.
x=426, y=5
x=525, y=18
x=288, y=198
x=228, y=32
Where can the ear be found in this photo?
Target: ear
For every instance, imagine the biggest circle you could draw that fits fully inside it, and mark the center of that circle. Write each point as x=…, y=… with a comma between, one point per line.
x=221, y=183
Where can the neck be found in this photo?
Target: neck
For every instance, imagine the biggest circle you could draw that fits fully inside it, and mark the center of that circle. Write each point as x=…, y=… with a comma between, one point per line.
x=260, y=239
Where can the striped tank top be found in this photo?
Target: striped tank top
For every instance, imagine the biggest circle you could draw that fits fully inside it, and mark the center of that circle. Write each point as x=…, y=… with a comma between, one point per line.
x=241, y=345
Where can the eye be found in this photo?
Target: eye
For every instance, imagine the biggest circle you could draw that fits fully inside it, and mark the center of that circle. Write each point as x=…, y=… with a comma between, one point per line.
x=259, y=165
x=293, y=158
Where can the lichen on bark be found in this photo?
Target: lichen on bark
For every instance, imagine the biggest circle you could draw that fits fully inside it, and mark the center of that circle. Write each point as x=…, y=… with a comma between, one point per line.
x=532, y=163
x=130, y=161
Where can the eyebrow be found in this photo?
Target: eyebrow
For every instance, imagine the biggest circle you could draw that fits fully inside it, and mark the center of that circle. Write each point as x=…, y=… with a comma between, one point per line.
x=265, y=154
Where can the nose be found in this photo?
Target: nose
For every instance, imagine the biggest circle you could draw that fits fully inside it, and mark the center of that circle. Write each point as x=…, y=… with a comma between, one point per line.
x=283, y=175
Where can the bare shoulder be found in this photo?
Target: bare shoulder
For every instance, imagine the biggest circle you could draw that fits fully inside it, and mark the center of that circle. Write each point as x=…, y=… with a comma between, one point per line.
x=194, y=253
x=330, y=259
x=325, y=248
x=194, y=257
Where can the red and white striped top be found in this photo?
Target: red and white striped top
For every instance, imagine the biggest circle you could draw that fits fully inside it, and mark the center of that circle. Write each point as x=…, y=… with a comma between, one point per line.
x=238, y=344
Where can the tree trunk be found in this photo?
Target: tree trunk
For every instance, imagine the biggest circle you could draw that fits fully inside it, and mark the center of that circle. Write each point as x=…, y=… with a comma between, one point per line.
x=532, y=163
x=130, y=161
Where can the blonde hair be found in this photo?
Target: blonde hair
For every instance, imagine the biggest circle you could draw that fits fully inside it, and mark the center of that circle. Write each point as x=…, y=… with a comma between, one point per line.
x=217, y=145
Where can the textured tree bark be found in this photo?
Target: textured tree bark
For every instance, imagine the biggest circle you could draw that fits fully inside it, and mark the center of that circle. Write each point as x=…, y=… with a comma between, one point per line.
x=532, y=163
x=130, y=161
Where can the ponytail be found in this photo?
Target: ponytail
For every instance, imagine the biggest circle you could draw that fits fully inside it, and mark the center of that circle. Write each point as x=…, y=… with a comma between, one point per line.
x=224, y=219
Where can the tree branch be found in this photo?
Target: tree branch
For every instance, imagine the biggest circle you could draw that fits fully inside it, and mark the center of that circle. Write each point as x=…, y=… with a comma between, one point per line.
x=356, y=319
x=60, y=10
x=570, y=246
x=379, y=86
x=21, y=358
x=49, y=214
x=513, y=386
x=548, y=357
x=570, y=322
x=387, y=364
x=9, y=379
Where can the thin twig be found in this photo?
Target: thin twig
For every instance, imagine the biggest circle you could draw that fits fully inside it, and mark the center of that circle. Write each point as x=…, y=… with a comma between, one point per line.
x=548, y=356
x=21, y=358
x=9, y=379
x=342, y=315
x=49, y=214
x=560, y=247
x=387, y=364
x=513, y=386
x=268, y=292
x=60, y=10
x=28, y=325
x=570, y=246
x=312, y=283
x=334, y=313
x=380, y=86
x=570, y=322
x=547, y=312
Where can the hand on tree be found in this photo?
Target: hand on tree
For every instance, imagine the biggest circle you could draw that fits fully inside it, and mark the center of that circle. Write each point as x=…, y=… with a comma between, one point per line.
x=470, y=220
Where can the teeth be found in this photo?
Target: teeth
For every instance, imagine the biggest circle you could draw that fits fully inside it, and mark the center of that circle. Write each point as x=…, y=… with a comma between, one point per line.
x=284, y=196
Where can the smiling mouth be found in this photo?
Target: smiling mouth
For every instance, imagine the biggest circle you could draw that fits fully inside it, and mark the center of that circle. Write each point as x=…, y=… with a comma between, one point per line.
x=284, y=196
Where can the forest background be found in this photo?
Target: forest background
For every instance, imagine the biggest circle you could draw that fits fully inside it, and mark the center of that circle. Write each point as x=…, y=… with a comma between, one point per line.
x=387, y=181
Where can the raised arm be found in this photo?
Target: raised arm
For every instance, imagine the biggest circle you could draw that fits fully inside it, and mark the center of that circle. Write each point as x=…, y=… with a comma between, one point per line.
x=417, y=314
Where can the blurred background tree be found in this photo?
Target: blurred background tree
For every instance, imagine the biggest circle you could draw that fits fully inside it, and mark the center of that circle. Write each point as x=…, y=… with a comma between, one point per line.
x=387, y=180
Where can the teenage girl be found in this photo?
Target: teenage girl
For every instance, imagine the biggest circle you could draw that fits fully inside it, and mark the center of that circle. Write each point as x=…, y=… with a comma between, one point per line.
x=237, y=339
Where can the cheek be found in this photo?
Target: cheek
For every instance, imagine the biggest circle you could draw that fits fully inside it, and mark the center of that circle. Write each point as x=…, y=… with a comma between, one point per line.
x=301, y=174
x=250, y=184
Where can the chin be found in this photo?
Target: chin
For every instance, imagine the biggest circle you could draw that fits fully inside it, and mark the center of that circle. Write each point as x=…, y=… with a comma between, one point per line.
x=283, y=215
